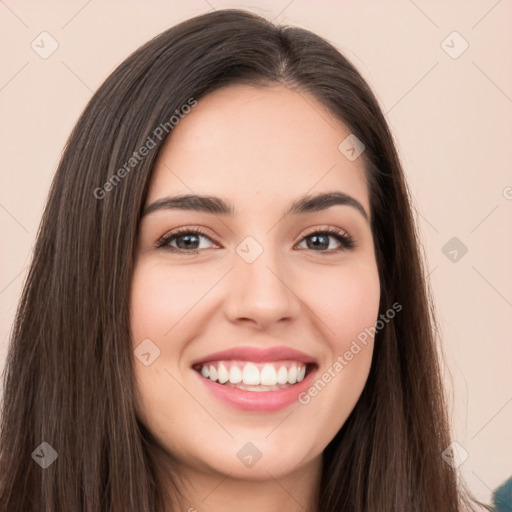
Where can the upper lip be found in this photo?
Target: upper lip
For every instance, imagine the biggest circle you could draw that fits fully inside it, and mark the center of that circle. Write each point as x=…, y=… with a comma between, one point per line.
x=257, y=355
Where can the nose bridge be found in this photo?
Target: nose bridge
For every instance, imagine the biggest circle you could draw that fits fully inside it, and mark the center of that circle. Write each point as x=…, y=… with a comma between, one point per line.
x=259, y=289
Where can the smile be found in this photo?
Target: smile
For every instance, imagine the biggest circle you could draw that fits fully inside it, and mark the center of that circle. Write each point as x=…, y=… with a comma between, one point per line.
x=253, y=376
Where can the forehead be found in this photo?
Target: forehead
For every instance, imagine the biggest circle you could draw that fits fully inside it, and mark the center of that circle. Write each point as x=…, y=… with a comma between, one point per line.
x=243, y=142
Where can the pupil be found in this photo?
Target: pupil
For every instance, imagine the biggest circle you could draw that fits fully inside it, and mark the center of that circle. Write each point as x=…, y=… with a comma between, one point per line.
x=188, y=243
x=325, y=244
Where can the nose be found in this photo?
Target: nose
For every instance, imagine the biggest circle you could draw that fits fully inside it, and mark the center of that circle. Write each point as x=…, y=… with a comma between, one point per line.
x=261, y=293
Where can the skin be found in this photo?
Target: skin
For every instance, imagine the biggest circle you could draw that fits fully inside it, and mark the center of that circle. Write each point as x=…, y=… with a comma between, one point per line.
x=259, y=148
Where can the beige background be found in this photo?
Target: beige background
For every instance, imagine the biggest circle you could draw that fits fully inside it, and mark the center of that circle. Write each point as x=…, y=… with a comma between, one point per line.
x=450, y=116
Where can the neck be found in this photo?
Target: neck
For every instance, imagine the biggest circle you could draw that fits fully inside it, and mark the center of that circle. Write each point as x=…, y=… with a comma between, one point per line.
x=214, y=492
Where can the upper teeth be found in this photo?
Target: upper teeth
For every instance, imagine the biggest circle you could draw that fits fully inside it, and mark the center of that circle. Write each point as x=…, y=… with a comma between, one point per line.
x=268, y=374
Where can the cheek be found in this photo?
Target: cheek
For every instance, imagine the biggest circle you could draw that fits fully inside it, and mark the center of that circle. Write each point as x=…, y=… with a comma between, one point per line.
x=345, y=300
x=160, y=298
x=346, y=303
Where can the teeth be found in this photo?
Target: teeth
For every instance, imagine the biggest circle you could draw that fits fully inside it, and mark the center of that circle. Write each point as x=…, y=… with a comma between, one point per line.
x=251, y=374
x=268, y=375
x=235, y=375
x=292, y=375
x=282, y=375
x=255, y=376
x=223, y=374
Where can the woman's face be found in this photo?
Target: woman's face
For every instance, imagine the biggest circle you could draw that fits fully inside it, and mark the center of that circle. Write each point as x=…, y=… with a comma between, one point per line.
x=262, y=283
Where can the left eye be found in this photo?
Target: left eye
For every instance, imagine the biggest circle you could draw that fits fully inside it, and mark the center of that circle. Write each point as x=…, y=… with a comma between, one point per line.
x=321, y=239
x=188, y=240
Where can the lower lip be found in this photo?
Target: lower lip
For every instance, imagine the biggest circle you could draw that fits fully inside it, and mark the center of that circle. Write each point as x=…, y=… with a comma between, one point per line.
x=259, y=401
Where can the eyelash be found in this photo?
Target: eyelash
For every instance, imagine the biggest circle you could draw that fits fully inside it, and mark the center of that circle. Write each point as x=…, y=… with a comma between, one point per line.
x=345, y=240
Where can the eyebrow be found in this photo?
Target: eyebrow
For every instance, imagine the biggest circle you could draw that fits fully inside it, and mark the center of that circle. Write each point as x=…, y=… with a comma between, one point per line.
x=217, y=206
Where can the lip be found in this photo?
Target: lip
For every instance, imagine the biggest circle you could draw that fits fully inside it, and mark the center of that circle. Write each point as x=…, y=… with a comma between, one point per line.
x=259, y=401
x=257, y=355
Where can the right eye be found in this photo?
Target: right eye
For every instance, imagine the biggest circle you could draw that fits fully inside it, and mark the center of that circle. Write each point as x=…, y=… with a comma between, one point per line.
x=187, y=240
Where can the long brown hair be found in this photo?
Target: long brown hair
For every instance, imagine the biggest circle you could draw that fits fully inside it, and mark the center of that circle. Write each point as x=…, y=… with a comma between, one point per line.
x=69, y=377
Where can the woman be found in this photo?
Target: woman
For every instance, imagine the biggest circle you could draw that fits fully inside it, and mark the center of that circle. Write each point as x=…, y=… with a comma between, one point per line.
x=226, y=305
